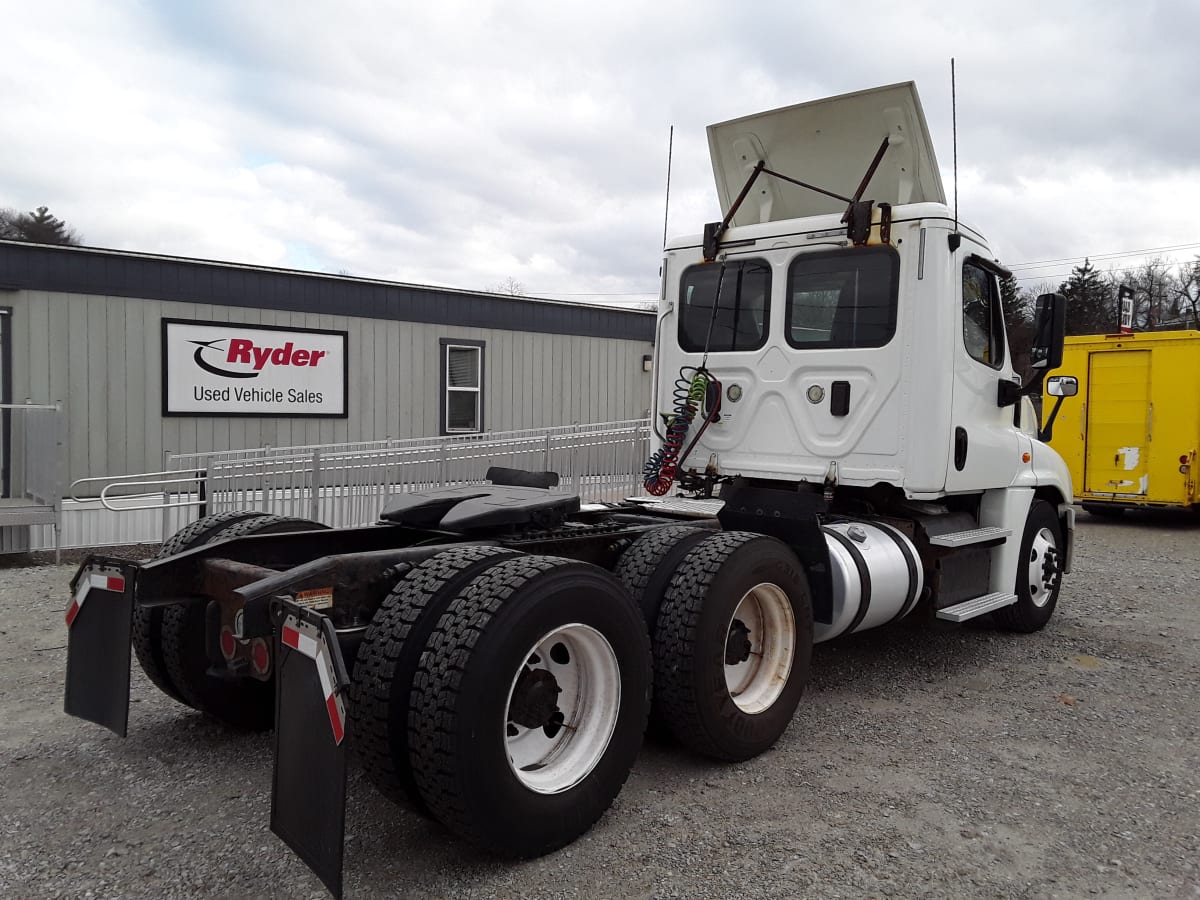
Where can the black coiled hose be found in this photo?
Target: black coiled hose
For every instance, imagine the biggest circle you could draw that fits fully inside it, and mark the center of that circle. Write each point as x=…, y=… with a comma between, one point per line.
x=688, y=396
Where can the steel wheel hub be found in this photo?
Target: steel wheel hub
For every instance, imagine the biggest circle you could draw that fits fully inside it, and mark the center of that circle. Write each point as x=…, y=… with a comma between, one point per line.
x=1043, y=567
x=760, y=644
x=562, y=708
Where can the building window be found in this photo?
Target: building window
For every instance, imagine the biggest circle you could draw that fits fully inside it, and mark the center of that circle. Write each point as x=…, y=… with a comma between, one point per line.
x=983, y=317
x=462, y=386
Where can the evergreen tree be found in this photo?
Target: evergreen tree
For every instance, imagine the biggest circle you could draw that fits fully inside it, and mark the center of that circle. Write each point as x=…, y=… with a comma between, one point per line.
x=37, y=227
x=1091, y=304
x=1015, y=300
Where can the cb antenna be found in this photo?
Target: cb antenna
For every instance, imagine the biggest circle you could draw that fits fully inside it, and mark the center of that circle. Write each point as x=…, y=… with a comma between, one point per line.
x=955, y=237
x=667, y=201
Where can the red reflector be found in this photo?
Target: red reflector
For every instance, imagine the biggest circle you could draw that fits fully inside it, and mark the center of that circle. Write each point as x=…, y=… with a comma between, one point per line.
x=72, y=612
x=291, y=637
x=335, y=718
x=261, y=656
x=1183, y=459
x=115, y=583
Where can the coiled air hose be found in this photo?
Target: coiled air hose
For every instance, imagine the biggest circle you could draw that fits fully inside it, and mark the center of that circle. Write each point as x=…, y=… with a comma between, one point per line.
x=689, y=395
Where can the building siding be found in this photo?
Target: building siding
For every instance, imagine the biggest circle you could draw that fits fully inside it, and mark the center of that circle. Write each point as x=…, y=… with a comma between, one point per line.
x=100, y=355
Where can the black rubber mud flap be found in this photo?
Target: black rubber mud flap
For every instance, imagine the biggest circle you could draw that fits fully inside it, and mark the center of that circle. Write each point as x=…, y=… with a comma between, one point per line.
x=99, y=629
x=308, y=793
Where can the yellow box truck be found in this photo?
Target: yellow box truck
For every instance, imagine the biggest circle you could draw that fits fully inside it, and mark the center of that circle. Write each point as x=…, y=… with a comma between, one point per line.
x=1131, y=433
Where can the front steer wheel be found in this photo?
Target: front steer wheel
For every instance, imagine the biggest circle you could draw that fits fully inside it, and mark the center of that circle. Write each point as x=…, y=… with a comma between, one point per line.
x=1039, y=572
x=529, y=704
x=732, y=645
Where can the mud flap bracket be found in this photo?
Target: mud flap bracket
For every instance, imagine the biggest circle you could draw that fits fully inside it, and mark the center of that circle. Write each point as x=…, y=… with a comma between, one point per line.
x=99, y=628
x=308, y=791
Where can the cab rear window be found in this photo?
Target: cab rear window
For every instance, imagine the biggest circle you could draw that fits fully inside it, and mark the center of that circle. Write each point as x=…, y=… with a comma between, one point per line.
x=735, y=320
x=844, y=298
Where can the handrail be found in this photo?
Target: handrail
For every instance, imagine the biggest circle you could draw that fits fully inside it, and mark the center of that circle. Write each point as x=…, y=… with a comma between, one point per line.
x=164, y=481
x=593, y=459
x=196, y=476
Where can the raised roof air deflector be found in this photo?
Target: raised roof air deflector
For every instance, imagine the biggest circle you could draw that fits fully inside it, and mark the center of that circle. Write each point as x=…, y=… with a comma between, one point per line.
x=828, y=143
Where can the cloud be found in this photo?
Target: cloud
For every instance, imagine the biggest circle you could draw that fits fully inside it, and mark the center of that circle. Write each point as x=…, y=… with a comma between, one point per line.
x=464, y=143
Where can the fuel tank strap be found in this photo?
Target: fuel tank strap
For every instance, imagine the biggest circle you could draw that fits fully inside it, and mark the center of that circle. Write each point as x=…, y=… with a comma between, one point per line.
x=864, y=578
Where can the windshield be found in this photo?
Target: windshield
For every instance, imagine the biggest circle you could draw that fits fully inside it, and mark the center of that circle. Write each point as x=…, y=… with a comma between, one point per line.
x=739, y=321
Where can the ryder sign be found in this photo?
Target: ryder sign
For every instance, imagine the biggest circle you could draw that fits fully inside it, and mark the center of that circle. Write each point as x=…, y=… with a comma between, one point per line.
x=220, y=369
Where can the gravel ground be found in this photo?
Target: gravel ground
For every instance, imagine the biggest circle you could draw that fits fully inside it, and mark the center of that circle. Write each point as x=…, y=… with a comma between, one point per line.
x=940, y=762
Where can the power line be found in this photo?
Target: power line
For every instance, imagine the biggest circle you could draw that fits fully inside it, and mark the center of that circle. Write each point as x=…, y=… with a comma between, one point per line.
x=1094, y=256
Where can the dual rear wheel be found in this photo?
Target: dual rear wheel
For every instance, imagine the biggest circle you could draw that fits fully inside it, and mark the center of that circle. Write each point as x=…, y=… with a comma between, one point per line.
x=169, y=641
x=507, y=695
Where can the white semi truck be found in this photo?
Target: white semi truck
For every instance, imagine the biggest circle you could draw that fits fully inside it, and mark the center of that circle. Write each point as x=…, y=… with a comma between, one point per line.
x=841, y=447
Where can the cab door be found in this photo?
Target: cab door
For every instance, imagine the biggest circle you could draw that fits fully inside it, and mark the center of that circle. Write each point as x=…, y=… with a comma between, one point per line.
x=984, y=446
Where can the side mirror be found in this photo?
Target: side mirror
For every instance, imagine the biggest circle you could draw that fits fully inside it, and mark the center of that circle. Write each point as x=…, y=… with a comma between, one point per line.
x=1050, y=330
x=1062, y=385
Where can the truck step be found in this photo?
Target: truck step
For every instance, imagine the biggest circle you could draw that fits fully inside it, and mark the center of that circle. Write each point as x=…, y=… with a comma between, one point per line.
x=974, y=536
x=979, y=606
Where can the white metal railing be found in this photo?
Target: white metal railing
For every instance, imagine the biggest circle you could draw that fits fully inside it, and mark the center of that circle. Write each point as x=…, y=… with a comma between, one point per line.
x=35, y=464
x=350, y=484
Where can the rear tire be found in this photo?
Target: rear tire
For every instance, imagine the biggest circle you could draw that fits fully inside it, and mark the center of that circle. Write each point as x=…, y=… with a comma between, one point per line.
x=733, y=645
x=246, y=703
x=499, y=755
x=646, y=567
x=147, y=622
x=1039, y=572
x=388, y=658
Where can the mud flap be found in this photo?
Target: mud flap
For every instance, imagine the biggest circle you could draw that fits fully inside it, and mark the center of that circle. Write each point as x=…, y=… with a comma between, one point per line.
x=99, y=628
x=308, y=792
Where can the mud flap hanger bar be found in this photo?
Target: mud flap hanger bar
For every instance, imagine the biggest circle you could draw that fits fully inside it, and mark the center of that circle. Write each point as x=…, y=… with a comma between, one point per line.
x=308, y=785
x=853, y=217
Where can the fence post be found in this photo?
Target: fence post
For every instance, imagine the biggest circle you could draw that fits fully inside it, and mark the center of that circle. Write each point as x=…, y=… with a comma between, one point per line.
x=166, y=528
x=546, y=453
x=202, y=479
x=315, y=501
x=578, y=480
x=442, y=464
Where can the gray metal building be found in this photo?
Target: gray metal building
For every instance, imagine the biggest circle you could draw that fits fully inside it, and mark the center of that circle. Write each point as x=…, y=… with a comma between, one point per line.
x=88, y=328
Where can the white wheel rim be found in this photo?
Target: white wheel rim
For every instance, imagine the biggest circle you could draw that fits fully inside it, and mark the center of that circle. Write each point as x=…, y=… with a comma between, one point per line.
x=1043, y=552
x=763, y=617
x=550, y=760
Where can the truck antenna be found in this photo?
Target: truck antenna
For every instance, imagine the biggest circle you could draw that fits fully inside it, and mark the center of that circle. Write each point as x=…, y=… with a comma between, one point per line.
x=955, y=237
x=667, y=200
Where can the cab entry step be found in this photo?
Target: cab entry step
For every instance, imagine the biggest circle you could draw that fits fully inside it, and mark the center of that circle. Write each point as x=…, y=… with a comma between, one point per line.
x=970, y=609
x=969, y=538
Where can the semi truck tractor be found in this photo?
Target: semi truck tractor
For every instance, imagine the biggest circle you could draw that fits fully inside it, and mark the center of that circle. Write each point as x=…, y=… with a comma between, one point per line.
x=840, y=445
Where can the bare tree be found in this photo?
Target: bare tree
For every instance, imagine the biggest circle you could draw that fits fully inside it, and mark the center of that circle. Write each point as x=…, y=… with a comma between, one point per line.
x=509, y=286
x=1185, y=298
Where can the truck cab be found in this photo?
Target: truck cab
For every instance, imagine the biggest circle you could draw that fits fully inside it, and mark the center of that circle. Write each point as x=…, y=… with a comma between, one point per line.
x=853, y=348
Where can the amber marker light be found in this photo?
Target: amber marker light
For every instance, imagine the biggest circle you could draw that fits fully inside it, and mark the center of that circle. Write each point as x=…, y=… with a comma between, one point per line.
x=1025, y=457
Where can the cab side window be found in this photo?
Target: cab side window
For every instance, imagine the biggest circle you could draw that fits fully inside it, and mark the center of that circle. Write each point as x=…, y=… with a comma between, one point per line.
x=983, y=317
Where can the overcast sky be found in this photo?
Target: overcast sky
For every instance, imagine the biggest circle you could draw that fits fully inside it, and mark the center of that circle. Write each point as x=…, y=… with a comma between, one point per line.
x=468, y=143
